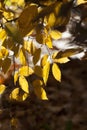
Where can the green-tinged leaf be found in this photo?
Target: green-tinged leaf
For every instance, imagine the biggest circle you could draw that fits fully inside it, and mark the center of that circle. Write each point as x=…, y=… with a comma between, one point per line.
x=38, y=71
x=16, y=75
x=2, y=88
x=61, y=60
x=36, y=56
x=55, y=34
x=6, y=65
x=25, y=19
x=46, y=70
x=26, y=71
x=38, y=89
x=13, y=31
x=22, y=56
x=24, y=84
x=44, y=60
x=56, y=72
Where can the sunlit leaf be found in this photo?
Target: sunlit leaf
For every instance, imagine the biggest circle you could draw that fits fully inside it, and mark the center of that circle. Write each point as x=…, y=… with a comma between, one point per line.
x=2, y=88
x=56, y=72
x=38, y=71
x=15, y=94
x=48, y=41
x=26, y=71
x=44, y=60
x=62, y=60
x=55, y=34
x=24, y=84
x=3, y=52
x=46, y=70
x=30, y=47
x=18, y=2
x=6, y=65
x=16, y=77
x=38, y=89
x=36, y=56
x=8, y=15
x=22, y=56
x=2, y=35
x=51, y=19
x=81, y=2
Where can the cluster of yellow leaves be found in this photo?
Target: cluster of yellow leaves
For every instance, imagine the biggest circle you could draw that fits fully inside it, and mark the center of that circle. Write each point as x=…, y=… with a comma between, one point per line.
x=36, y=20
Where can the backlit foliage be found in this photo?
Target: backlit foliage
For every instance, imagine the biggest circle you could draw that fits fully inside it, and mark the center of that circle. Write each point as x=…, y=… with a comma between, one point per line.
x=23, y=25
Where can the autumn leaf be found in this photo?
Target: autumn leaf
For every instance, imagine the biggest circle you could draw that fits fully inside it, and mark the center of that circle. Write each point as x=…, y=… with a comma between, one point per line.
x=13, y=31
x=56, y=72
x=25, y=19
x=26, y=71
x=36, y=55
x=6, y=64
x=44, y=60
x=61, y=60
x=2, y=88
x=38, y=71
x=55, y=34
x=17, y=95
x=23, y=84
x=22, y=56
x=39, y=90
x=46, y=70
x=16, y=75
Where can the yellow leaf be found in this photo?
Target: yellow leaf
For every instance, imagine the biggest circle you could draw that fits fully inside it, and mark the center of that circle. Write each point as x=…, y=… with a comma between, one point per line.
x=38, y=89
x=36, y=56
x=55, y=34
x=24, y=97
x=54, y=54
x=81, y=2
x=26, y=71
x=56, y=72
x=18, y=2
x=2, y=35
x=23, y=84
x=38, y=71
x=44, y=60
x=3, y=52
x=25, y=19
x=2, y=88
x=51, y=19
x=16, y=77
x=46, y=70
x=15, y=94
x=6, y=64
x=22, y=56
x=48, y=41
x=30, y=47
x=62, y=60
x=8, y=15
